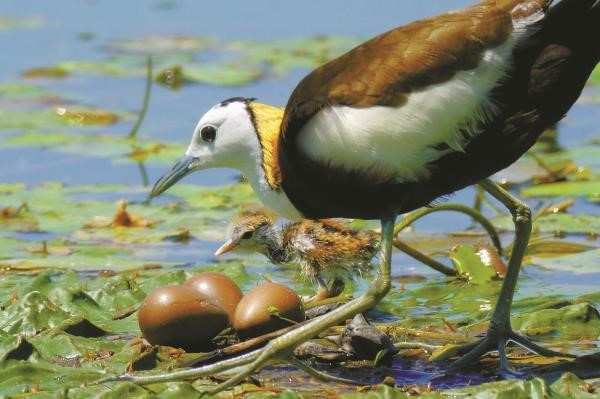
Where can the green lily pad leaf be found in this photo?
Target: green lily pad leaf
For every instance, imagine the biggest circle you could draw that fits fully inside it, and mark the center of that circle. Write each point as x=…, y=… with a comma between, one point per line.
x=444, y=352
x=7, y=23
x=589, y=189
x=469, y=264
x=558, y=223
x=124, y=65
x=578, y=263
x=578, y=320
x=54, y=118
x=550, y=248
x=43, y=378
x=221, y=75
x=14, y=347
x=519, y=389
x=21, y=90
x=157, y=44
x=296, y=53
x=224, y=197
x=568, y=386
x=595, y=76
x=32, y=314
x=46, y=72
x=121, y=149
x=583, y=157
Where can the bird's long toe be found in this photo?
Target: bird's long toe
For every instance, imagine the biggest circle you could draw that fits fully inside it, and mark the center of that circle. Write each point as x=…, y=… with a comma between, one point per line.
x=496, y=340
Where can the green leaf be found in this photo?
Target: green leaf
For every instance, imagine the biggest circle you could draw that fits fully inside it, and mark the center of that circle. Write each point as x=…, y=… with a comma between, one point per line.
x=157, y=44
x=32, y=314
x=468, y=263
x=578, y=320
x=577, y=263
x=588, y=189
x=595, y=76
x=221, y=75
x=7, y=23
x=557, y=223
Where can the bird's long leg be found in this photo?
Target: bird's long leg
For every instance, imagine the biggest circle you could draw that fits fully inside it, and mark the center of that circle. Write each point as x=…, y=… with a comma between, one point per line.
x=500, y=330
x=282, y=347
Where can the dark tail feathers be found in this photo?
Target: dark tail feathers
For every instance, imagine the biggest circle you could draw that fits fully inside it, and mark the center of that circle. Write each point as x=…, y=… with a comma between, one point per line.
x=576, y=23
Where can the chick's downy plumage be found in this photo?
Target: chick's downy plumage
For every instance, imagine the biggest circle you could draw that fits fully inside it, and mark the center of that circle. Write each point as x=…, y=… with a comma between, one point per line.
x=326, y=249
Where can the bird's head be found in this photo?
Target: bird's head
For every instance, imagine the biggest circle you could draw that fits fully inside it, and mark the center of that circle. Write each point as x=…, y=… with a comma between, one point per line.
x=230, y=135
x=252, y=232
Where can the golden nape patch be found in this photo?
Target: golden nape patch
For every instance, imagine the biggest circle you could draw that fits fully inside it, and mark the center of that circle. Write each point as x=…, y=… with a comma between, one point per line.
x=267, y=121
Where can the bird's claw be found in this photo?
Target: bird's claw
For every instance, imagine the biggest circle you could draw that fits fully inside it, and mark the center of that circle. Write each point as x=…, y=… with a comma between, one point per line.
x=496, y=340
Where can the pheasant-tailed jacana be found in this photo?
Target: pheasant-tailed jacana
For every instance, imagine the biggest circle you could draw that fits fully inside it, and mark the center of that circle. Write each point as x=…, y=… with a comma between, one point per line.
x=325, y=249
x=411, y=115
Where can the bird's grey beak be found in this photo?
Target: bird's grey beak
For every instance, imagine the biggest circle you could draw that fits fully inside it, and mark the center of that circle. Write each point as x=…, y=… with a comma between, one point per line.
x=181, y=168
x=228, y=246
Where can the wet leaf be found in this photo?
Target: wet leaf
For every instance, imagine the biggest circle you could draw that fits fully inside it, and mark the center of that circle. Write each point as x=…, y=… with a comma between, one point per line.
x=7, y=23
x=21, y=90
x=577, y=263
x=221, y=75
x=56, y=117
x=558, y=223
x=50, y=72
x=595, y=77
x=119, y=148
x=589, y=189
x=162, y=44
x=468, y=263
x=296, y=53
x=579, y=320
x=554, y=248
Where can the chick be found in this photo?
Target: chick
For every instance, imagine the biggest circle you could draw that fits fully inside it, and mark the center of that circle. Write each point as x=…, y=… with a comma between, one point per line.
x=325, y=250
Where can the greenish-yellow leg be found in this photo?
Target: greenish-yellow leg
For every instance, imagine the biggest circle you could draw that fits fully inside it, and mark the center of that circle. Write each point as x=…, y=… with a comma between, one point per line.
x=282, y=347
x=500, y=330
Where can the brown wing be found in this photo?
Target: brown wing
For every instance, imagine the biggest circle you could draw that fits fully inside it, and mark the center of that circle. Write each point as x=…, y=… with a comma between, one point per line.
x=387, y=68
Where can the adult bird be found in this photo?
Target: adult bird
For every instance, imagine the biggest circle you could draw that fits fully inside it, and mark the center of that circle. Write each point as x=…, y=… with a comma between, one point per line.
x=411, y=115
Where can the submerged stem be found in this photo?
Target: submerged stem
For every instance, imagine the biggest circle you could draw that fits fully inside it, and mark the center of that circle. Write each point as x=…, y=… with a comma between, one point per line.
x=146, y=100
x=483, y=221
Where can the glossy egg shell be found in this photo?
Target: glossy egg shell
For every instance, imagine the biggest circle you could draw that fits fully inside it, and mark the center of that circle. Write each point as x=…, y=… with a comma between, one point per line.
x=252, y=316
x=181, y=317
x=223, y=290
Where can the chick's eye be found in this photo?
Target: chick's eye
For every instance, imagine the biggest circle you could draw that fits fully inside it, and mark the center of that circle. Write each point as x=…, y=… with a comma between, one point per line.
x=208, y=133
x=247, y=235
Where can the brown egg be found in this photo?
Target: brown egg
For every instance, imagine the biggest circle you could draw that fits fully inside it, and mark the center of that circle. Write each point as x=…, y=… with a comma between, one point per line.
x=254, y=314
x=181, y=317
x=223, y=290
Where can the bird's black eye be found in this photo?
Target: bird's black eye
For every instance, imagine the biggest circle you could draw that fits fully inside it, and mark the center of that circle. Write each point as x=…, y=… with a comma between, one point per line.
x=208, y=133
x=247, y=235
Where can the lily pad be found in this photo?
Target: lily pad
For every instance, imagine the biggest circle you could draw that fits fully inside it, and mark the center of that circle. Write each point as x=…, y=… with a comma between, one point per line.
x=588, y=189
x=56, y=117
x=221, y=74
x=468, y=263
x=558, y=223
x=157, y=44
x=7, y=23
x=578, y=263
x=579, y=320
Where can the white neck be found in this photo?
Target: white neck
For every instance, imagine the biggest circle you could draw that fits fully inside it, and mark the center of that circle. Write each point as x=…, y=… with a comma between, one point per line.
x=275, y=199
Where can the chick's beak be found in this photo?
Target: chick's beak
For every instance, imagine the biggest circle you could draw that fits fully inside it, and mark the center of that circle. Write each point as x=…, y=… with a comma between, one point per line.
x=182, y=167
x=228, y=246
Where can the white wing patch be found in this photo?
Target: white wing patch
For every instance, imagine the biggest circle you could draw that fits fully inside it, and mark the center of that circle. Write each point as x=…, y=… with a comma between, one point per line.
x=396, y=142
